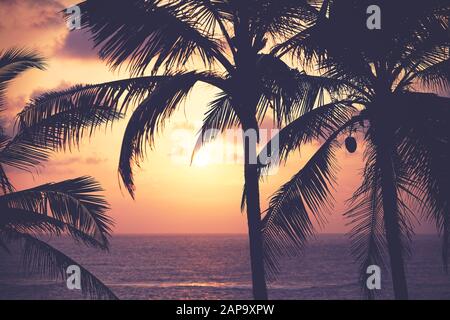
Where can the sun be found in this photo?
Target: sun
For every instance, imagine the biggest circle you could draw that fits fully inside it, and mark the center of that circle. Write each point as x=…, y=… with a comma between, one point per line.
x=202, y=159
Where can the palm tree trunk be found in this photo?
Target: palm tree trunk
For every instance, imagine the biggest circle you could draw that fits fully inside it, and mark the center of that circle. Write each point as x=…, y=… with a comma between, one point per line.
x=247, y=97
x=254, y=227
x=392, y=226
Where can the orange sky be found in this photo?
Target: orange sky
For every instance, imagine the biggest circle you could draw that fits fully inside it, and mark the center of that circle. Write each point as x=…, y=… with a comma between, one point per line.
x=172, y=196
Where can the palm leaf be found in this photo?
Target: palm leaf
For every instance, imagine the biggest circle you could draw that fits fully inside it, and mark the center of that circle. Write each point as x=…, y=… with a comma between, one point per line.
x=287, y=91
x=61, y=118
x=148, y=118
x=72, y=202
x=67, y=126
x=41, y=258
x=219, y=117
x=21, y=152
x=5, y=184
x=29, y=222
x=423, y=143
x=435, y=77
x=287, y=224
x=146, y=30
x=366, y=218
x=117, y=95
x=316, y=124
x=34, y=223
x=282, y=18
x=209, y=14
x=13, y=62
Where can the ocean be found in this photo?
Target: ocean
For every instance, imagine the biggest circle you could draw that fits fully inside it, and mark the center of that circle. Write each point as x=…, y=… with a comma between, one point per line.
x=217, y=267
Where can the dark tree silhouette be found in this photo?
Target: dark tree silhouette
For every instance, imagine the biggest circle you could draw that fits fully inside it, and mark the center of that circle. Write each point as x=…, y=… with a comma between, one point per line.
x=228, y=43
x=405, y=131
x=68, y=207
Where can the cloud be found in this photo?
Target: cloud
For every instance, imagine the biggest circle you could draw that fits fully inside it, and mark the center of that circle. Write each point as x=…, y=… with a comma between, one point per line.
x=40, y=25
x=94, y=160
x=64, y=164
x=77, y=44
x=32, y=24
x=32, y=13
x=69, y=160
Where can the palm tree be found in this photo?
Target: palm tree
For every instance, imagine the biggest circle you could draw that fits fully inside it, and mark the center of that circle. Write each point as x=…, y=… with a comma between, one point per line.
x=405, y=130
x=68, y=207
x=229, y=41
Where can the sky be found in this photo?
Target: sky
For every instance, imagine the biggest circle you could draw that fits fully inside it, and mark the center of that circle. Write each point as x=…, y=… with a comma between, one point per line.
x=172, y=195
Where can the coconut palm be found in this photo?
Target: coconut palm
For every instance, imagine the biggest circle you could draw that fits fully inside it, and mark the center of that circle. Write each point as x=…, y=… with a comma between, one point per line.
x=404, y=131
x=29, y=216
x=169, y=46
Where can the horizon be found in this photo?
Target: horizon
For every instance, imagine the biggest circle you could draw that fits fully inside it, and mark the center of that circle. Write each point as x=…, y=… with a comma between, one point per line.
x=243, y=234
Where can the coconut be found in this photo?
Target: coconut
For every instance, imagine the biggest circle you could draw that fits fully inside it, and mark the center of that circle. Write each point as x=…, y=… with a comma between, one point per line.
x=350, y=144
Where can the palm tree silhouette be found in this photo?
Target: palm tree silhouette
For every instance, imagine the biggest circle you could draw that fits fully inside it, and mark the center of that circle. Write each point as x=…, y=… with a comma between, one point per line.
x=405, y=136
x=68, y=207
x=230, y=39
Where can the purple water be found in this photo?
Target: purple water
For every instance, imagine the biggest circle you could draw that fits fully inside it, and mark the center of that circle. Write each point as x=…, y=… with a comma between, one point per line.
x=217, y=267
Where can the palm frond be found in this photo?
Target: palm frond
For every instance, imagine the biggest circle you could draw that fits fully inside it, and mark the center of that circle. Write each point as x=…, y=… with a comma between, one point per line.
x=316, y=124
x=219, y=117
x=425, y=41
x=36, y=224
x=287, y=224
x=14, y=62
x=117, y=95
x=281, y=18
x=289, y=92
x=435, y=77
x=41, y=258
x=296, y=46
x=144, y=31
x=4, y=244
x=366, y=219
x=29, y=222
x=5, y=184
x=22, y=152
x=423, y=145
x=67, y=127
x=19, y=60
x=73, y=203
x=61, y=118
x=211, y=15
x=148, y=118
